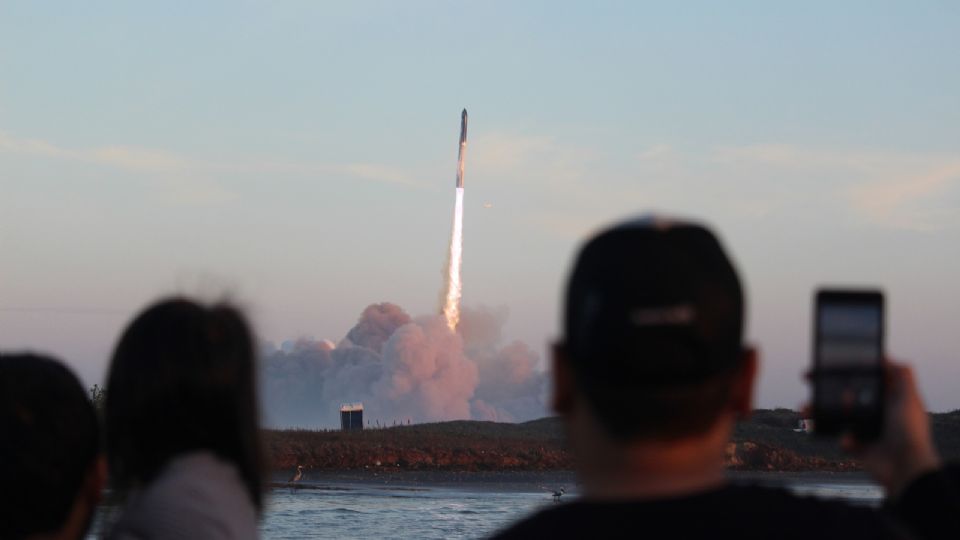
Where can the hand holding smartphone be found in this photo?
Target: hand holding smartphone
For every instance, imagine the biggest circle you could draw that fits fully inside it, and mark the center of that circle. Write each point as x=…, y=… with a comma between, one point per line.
x=848, y=369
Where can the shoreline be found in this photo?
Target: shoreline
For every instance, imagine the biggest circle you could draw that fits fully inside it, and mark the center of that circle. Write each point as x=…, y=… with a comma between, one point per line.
x=508, y=453
x=524, y=481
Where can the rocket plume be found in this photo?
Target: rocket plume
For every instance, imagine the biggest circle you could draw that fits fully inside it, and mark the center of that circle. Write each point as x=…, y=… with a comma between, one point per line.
x=454, y=285
x=451, y=304
x=449, y=366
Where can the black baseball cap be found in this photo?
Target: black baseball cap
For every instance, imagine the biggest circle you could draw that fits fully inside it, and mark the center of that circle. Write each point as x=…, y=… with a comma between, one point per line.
x=653, y=301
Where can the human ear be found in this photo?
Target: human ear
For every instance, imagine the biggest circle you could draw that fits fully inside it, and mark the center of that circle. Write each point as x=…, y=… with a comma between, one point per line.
x=744, y=380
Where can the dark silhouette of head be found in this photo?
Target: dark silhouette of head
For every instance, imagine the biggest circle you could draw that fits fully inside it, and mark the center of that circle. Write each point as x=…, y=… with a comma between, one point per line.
x=182, y=379
x=653, y=328
x=50, y=458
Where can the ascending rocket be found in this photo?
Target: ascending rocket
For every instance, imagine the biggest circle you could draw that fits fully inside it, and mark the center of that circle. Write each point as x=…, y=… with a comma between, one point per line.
x=462, y=154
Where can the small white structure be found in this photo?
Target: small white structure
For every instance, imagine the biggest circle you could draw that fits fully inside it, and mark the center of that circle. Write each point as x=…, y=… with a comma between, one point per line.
x=805, y=425
x=351, y=416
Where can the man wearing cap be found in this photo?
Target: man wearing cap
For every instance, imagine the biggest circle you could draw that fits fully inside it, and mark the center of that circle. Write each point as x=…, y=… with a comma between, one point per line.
x=650, y=378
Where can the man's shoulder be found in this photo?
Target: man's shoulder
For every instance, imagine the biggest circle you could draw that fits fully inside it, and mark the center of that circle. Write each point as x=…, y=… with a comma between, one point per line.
x=746, y=511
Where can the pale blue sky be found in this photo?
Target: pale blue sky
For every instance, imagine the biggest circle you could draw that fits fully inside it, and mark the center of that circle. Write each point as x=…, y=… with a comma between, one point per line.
x=302, y=155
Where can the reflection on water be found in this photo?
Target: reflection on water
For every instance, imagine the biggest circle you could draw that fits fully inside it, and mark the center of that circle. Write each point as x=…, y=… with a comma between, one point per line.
x=853, y=488
x=468, y=510
x=865, y=494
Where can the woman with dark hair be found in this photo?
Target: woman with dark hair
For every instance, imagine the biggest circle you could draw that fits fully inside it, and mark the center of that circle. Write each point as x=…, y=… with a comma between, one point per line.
x=181, y=424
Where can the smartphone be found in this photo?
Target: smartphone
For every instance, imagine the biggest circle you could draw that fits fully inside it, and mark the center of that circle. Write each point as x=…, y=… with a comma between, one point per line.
x=848, y=369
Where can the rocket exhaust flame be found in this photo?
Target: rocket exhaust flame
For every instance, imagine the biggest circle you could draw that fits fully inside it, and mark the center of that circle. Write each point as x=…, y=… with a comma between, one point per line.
x=451, y=305
x=454, y=285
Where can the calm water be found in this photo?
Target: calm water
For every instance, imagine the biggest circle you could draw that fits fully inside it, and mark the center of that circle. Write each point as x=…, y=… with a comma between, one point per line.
x=349, y=509
x=372, y=511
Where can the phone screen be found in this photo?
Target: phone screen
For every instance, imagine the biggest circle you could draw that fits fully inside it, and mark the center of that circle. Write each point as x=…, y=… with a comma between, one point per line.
x=848, y=386
x=849, y=335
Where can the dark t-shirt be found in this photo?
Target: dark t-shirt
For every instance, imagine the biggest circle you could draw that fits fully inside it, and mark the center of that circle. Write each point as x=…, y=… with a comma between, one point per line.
x=747, y=512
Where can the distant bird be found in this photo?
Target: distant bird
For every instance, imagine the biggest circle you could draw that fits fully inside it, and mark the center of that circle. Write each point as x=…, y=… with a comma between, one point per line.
x=297, y=475
x=556, y=493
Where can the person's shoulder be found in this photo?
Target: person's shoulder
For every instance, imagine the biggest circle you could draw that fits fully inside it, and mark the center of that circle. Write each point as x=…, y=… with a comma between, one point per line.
x=196, y=496
x=562, y=521
x=741, y=511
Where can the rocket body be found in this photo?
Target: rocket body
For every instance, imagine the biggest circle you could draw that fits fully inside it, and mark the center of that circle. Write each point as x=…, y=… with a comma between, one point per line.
x=462, y=154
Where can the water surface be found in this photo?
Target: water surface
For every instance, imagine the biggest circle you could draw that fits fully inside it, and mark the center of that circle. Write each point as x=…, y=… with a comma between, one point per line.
x=462, y=506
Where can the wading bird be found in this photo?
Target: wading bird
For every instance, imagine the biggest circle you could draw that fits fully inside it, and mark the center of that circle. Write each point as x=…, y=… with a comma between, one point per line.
x=556, y=493
x=297, y=475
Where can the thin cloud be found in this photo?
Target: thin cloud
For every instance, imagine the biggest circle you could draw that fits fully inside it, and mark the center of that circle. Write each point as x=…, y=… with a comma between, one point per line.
x=535, y=162
x=509, y=151
x=181, y=180
x=893, y=189
x=123, y=157
x=138, y=159
x=376, y=172
x=909, y=202
x=655, y=152
x=190, y=178
x=775, y=154
x=33, y=147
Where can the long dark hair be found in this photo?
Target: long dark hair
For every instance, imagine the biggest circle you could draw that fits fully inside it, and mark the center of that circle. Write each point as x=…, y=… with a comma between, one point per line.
x=182, y=379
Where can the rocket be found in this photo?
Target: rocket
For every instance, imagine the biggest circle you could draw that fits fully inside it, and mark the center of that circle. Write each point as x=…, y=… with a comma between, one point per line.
x=462, y=154
x=453, y=290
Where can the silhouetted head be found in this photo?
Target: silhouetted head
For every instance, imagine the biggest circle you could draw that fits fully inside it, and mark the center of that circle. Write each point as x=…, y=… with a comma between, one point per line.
x=182, y=379
x=50, y=459
x=653, y=329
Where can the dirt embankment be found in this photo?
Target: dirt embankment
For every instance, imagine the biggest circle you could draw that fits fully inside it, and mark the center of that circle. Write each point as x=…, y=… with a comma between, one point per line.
x=450, y=446
x=767, y=442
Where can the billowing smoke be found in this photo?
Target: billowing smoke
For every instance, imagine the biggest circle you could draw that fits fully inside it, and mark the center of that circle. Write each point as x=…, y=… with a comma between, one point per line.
x=405, y=369
x=377, y=323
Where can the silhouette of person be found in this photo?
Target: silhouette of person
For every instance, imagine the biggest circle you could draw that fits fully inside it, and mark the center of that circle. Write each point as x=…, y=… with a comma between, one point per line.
x=181, y=423
x=51, y=464
x=650, y=377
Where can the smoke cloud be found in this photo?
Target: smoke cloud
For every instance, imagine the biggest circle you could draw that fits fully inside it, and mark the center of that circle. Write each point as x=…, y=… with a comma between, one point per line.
x=377, y=323
x=405, y=369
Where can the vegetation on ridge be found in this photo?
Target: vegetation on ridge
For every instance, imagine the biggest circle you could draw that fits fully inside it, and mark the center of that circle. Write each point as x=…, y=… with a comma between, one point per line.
x=767, y=441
